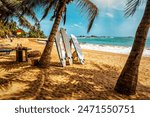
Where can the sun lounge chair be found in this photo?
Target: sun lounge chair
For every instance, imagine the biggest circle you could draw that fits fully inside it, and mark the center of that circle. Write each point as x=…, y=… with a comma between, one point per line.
x=45, y=40
x=77, y=48
x=4, y=45
x=66, y=45
x=6, y=51
x=60, y=49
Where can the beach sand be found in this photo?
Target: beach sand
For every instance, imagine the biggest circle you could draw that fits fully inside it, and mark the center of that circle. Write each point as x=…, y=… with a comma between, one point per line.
x=93, y=80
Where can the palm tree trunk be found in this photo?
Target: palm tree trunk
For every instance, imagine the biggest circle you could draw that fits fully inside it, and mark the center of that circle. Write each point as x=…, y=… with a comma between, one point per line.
x=46, y=55
x=128, y=78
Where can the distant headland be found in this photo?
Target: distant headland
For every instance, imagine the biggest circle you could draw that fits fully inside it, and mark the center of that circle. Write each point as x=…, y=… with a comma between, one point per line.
x=95, y=36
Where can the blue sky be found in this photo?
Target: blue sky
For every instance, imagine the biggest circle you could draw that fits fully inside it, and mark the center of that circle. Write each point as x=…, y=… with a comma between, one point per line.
x=110, y=21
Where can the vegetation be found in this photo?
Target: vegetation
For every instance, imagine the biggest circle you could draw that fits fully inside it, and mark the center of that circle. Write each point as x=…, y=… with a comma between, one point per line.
x=7, y=29
x=128, y=78
x=14, y=9
x=36, y=32
x=11, y=28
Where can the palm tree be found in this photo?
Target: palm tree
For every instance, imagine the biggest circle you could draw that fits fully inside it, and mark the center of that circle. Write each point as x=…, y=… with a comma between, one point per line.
x=60, y=7
x=128, y=78
x=14, y=8
x=8, y=10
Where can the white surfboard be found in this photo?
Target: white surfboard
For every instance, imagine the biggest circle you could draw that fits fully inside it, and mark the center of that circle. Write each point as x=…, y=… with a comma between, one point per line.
x=77, y=48
x=60, y=49
x=66, y=45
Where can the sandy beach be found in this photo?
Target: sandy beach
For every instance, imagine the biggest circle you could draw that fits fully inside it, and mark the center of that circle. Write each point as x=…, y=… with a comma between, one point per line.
x=94, y=80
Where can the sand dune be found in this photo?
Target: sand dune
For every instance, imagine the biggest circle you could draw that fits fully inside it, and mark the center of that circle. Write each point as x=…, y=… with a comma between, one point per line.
x=94, y=80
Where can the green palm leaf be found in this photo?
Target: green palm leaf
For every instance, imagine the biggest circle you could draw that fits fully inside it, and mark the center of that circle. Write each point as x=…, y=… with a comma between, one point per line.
x=131, y=6
x=86, y=6
x=90, y=9
x=15, y=8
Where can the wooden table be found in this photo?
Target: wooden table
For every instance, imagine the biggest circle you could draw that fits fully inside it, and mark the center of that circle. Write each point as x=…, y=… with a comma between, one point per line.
x=19, y=53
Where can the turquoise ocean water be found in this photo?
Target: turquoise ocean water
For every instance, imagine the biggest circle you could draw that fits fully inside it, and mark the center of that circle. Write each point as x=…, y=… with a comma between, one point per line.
x=111, y=41
x=120, y=45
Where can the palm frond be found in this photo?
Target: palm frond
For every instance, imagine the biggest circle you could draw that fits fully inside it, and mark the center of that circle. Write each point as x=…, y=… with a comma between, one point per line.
x=57, y=6
x=34, y=3
x=24, y=22
x=29, y=12
x=16, y=8
x=31, y=3
x=90, y=9
x=131, y=7
x=65, y=15
x=7, y=9
x=9, y=5
x=47, y=9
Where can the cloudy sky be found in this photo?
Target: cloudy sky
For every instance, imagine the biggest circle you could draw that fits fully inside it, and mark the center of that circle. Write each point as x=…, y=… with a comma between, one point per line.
x=110, y=21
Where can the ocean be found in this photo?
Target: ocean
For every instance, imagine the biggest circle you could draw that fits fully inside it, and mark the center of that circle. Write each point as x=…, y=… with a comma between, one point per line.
x=120, y=45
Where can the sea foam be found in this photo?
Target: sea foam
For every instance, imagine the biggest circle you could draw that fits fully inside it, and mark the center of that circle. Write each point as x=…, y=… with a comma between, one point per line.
x=113, y=49
x=109, y=48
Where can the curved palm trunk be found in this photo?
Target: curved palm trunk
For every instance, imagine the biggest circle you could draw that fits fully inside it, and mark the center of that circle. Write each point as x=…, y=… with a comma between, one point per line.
x=46, y=55
x=127, y=81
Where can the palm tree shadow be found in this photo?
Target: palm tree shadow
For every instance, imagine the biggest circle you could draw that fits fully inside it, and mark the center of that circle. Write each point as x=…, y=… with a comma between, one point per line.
x=88, y=84
x=10, y=65
x=7, y=78
x=95, y=84
x=56, y=64
x=143, y=91
x=8, y=57
x=16, y=77
x=91, y=84
x=83, y=85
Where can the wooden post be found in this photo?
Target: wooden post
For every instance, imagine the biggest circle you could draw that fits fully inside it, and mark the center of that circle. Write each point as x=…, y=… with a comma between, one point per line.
x=26, y=55
x=19, y=55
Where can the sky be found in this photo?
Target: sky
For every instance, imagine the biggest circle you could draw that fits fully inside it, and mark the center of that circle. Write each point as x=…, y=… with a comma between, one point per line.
x=110, y=21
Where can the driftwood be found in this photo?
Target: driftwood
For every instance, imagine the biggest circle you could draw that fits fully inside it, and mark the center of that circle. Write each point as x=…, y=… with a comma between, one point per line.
x=34, y=57
x=35, y=53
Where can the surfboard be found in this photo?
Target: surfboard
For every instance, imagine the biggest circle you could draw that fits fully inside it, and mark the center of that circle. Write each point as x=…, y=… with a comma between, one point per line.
x=60, y=49
x=66, y=45
x=77, y=48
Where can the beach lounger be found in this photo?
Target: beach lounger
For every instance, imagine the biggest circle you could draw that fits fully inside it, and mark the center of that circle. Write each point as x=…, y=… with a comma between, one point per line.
x=78, y=49
x=66, y=45
x=60, y=49
x=4, y=45
x=45, y=40
x=7, y=51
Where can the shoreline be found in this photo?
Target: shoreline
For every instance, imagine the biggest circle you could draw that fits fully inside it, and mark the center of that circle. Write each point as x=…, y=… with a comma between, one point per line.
x=109, y=48
x=113, y=49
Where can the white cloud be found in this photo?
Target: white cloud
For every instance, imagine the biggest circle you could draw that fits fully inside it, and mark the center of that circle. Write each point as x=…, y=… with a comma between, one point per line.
x=110, y=15
x=76, y=25
x=114, y=4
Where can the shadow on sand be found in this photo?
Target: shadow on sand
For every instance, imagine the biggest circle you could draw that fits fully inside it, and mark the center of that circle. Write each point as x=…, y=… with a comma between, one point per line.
x=55, y=82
